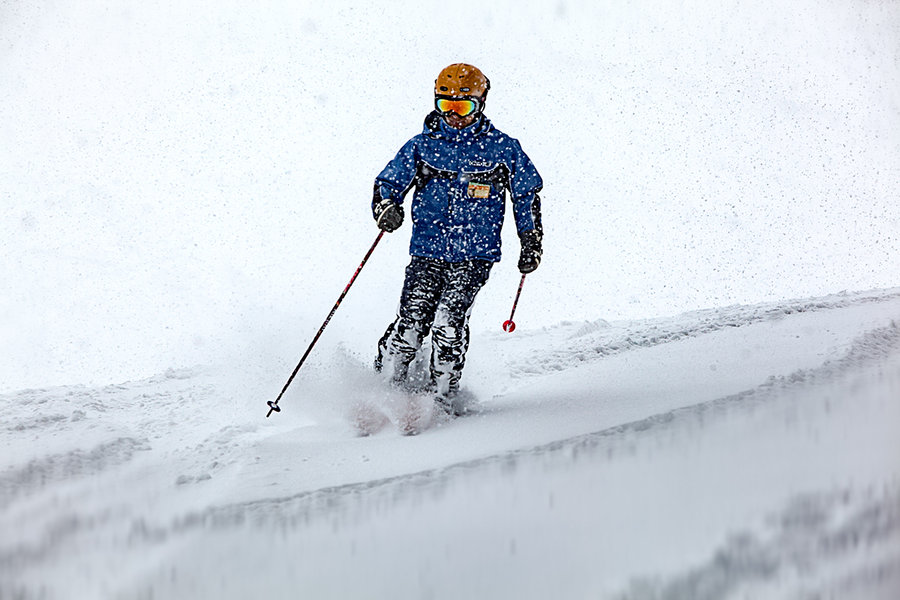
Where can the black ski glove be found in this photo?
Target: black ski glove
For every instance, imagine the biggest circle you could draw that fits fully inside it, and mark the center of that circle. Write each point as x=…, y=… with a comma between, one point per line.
x=530, y=257
x=388, y=215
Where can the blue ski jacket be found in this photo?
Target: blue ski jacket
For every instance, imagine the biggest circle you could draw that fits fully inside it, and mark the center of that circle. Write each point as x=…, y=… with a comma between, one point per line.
x=460, y=176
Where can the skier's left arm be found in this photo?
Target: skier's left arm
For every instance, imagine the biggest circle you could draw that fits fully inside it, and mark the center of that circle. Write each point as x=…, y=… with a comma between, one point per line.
x=524, y=184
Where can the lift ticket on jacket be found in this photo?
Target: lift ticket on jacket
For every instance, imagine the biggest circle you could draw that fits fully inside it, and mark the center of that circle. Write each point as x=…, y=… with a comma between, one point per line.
x=479, y=190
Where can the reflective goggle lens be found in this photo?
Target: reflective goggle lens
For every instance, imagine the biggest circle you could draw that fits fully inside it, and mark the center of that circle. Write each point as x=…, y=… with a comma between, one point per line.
x=462, y=107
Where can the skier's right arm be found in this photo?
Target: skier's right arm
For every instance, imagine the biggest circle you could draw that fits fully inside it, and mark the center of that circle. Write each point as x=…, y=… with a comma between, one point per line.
x=391, y=186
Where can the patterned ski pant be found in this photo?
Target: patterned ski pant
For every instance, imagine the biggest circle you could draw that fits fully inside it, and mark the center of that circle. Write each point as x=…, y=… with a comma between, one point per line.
x=437, y=298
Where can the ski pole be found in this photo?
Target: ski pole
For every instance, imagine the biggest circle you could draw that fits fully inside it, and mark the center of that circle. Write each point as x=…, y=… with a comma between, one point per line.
x=273, y=404
x=509, y=326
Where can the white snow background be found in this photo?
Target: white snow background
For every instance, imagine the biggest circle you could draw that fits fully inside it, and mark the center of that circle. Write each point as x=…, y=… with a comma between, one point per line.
x=185, y=191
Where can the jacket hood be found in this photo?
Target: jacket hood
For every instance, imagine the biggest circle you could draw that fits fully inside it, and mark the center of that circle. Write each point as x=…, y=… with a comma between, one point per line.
x=436, y=127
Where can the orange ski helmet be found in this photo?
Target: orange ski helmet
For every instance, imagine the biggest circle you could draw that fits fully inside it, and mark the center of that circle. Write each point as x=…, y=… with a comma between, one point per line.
x=460, y=80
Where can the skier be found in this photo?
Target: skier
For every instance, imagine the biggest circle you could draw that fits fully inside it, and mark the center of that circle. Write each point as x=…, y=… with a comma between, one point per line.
x=461, y=166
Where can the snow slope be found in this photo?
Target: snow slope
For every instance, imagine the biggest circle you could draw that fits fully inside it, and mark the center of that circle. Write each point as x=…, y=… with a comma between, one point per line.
x=747, y=451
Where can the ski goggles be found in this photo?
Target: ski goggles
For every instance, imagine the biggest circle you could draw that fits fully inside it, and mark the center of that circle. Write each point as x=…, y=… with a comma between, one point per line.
x=461, y=106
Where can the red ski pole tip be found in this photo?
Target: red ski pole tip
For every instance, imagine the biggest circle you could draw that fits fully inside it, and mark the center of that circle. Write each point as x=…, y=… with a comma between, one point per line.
x=509, y=326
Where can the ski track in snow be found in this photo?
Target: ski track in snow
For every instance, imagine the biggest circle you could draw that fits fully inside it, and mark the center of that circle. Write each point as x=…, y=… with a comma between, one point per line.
x=813, y=533
x=596, y=340
x=127, y=430
x=43, y=472
x=113, y=426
